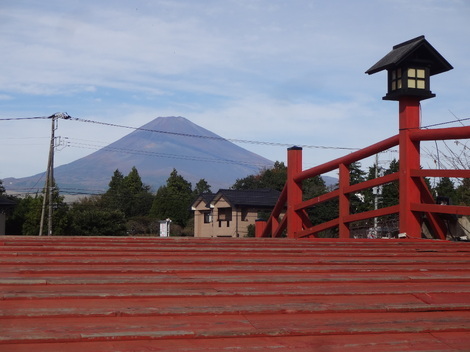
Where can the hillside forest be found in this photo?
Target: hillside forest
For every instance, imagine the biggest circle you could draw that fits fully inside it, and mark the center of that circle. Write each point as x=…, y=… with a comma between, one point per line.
x=129, y=207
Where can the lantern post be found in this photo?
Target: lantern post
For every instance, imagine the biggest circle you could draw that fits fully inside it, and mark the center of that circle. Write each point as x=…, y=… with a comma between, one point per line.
x=409, y=66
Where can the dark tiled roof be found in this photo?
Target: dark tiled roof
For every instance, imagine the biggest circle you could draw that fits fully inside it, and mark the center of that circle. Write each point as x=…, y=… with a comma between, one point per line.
x=5, y=202
x=205, y=198
x=420, y=50
x=250, y=197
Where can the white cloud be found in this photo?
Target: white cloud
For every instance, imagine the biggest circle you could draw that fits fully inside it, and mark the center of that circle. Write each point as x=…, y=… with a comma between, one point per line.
x=5, y=97
x=267, y=70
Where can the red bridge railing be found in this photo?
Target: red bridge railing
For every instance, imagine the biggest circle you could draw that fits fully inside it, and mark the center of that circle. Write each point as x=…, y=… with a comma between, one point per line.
x=409, y=66
x=290, y=213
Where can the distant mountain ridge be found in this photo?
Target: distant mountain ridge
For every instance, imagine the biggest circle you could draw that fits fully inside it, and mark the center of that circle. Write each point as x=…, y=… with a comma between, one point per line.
x=155, y=149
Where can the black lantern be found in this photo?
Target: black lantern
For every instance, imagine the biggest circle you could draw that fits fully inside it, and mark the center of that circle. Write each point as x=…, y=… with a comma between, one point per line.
x=409, y=66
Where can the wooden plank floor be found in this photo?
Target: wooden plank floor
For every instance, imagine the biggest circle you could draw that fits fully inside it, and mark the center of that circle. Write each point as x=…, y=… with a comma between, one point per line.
x=168, y=294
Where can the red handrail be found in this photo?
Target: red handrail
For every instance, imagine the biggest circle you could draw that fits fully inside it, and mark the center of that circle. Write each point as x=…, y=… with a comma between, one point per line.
x=290, y=211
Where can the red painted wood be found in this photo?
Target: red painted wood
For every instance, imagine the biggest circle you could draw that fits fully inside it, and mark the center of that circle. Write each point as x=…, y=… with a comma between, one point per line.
x=441, y=341
x=349, y=159
x=294, y=191
x=443, y=209
x=131, y=294
x=441, y=134
x=344, y=181
x=440, y=173
x=412, y=205
x=260, y=227
x=409, y=119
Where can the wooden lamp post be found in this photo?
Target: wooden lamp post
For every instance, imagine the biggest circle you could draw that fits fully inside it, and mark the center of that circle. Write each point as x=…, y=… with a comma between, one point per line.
x=409, y=66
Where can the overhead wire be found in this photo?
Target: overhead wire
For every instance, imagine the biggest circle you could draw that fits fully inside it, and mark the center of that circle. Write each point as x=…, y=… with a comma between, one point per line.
x=447, y=122
x=156, y=154
x=131, y=151
x=24, y=118
x=233, y=140
x=72, y=143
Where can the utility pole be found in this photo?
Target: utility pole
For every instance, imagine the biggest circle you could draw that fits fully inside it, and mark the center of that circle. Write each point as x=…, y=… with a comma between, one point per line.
x=48, y=188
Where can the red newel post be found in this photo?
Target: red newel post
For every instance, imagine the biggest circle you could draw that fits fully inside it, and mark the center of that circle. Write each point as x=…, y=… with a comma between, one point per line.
x=294, y=190
x=260, y=226
x=409, y=119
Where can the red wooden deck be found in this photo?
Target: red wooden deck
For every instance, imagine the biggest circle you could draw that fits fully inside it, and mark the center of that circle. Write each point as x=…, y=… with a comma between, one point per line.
x=151, y=294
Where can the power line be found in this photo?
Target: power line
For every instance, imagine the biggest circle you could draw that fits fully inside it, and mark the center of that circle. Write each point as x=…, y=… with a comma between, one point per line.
x=209, y=137
x=162, y=155
x=234, y=140
x=448, y=122
x=24, y=118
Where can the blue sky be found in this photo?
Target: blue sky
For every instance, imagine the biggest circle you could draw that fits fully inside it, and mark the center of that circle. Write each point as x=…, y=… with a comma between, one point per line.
x=263, y=70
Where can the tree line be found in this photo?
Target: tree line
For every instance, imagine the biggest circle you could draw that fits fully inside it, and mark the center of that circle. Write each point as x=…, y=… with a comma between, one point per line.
x=130, y=207
x=127, y=207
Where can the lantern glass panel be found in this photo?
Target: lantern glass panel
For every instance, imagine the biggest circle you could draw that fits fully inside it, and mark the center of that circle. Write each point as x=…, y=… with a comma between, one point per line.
x=411, y=83
x=411, y=72
x=421, y=73
x=421, y=84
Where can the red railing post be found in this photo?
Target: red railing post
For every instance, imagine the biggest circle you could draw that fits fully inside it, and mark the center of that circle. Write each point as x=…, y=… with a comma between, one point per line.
x=294, y=190
x=343, y=210
x=260, y=226
x=409, y=116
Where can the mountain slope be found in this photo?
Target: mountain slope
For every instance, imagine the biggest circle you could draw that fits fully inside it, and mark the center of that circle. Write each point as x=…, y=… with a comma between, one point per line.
x=155, y=149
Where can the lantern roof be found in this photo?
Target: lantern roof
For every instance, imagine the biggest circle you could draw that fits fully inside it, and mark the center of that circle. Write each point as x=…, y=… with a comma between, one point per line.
x=416, y=51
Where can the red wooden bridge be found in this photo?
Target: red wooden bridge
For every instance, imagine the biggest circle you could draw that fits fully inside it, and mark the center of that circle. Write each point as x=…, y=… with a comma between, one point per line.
x=154, y=294
x=265, y=294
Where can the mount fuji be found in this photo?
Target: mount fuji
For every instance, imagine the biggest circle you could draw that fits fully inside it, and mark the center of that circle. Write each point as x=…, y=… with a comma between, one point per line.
x=155, y=149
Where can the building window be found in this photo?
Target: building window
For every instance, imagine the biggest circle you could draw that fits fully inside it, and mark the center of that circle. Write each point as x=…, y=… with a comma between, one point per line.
x=226, y=222
x=225, y=214
x=207, y=217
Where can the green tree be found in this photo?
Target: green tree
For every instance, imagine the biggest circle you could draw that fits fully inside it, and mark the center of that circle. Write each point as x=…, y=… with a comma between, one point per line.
x=32, y=215
x=371, y=193
x=463, y=192
x=356, y=174
x=391, y=191
x=138, y=195
x=14, y=223
x=314, y=187
x=89, y=218
x=445, y=188
x=173, y=200
x=128, y=194
x=357, y=201
x=114, y=197
x=273, y=178
x=2, y=188
x=249, y=182
x=202, y=187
